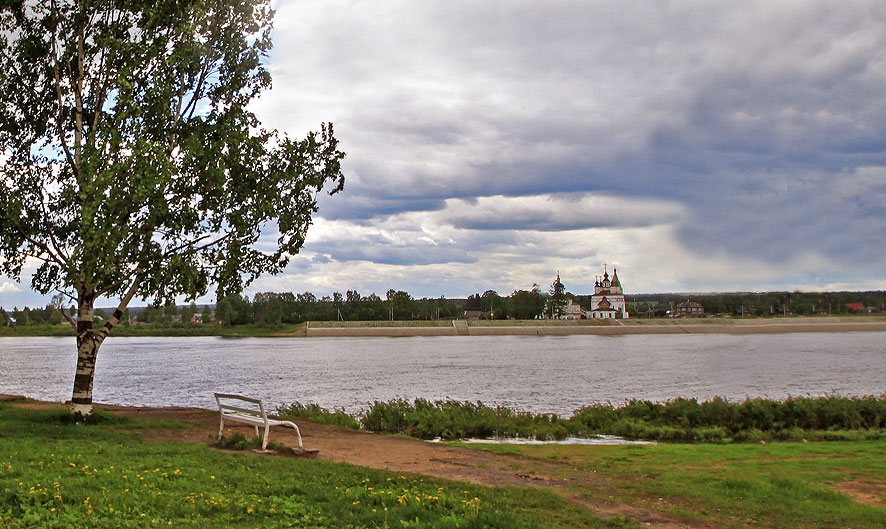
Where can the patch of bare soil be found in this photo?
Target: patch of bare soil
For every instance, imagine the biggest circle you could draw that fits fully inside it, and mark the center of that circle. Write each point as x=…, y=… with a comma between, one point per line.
x=403, y=455
x=864, y=492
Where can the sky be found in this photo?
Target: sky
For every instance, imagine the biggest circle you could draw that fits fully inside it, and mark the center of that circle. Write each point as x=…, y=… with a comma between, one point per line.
x=697, y=146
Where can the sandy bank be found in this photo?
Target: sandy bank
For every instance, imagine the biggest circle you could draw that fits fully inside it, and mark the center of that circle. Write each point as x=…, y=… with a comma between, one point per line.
x=749, y=326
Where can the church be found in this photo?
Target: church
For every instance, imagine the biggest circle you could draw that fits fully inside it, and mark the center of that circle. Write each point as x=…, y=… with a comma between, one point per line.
x=608, y=300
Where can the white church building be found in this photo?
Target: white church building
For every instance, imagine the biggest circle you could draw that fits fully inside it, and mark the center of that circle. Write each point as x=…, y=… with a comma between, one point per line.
x=608, y=300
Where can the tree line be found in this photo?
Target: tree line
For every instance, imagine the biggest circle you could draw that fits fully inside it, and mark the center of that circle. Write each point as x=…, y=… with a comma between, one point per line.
x=272, y=308
x=761, y=303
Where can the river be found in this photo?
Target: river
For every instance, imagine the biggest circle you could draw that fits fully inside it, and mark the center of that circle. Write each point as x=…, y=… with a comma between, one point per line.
x=555, y=374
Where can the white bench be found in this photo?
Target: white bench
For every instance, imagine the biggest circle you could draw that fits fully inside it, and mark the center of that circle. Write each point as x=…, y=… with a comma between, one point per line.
x=254, y=415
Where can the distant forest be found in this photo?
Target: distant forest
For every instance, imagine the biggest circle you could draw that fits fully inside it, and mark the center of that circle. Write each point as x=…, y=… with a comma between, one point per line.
x=270, y=308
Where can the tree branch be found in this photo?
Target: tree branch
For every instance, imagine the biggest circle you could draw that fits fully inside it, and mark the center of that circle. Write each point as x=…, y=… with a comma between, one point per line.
x=55, y=244
x=69, y=319
x=58, y=89
x=177, y=249
x=118, y=314
x=43, y=246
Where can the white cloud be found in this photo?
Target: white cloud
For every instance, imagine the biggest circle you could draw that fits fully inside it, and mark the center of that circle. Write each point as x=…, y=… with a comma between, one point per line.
x=9, y=287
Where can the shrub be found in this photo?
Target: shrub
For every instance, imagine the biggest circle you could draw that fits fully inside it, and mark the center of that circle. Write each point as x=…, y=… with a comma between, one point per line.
x=313, y=412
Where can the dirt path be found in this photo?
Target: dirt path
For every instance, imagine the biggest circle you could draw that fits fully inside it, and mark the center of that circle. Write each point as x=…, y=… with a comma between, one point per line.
x=400, y=454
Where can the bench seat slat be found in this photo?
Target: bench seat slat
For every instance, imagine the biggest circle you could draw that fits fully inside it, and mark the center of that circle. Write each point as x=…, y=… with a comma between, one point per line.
x=246, y=411
x=252, y=419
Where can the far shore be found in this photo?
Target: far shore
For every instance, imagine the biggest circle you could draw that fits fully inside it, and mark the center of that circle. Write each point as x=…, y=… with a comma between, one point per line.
x=607, y=327
x=772, y=325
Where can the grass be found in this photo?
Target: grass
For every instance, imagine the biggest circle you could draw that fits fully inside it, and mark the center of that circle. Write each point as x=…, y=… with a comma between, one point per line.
x=785, y=485
x=238, y=441
x=57, y=472
x=829, y=418
x=250, y=330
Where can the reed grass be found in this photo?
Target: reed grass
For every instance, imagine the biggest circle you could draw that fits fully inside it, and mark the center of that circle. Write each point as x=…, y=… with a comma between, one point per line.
x=718, y=420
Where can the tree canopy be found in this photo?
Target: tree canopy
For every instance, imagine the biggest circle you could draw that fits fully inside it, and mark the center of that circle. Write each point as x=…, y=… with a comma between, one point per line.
x=130, y=161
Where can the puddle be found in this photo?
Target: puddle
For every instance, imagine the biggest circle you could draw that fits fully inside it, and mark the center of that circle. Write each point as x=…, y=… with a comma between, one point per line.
x=600, y=440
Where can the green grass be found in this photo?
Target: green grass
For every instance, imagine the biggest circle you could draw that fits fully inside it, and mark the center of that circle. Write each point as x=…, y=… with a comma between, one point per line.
x=785, y=485
x=56, y=472
x=43, y=329
x=250, y=330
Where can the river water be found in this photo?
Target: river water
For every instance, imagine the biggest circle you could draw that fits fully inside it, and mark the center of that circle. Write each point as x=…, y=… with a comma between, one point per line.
x=534, y=373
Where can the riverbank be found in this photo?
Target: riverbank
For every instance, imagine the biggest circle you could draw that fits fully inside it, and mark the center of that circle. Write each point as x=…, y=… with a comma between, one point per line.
x=869, y=323
x=602, y=327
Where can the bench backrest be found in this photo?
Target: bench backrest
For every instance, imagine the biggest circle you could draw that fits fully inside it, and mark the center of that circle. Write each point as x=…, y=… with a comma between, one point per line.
x=258, y=409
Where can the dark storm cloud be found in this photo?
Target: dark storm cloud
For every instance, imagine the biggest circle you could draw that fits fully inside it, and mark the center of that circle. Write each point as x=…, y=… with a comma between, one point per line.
x=763, y=123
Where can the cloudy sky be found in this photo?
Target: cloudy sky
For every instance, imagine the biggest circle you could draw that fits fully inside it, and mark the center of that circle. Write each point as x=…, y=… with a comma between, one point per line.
x=695, y=145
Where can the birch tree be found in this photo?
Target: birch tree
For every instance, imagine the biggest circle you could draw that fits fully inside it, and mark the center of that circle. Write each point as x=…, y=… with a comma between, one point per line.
x=130, y=163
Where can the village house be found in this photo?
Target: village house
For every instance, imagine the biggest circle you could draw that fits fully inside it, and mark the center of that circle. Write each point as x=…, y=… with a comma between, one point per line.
x=572, y=311
x=688, y=308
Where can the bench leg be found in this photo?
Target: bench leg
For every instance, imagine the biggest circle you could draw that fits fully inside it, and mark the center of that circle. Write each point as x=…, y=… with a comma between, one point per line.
x=297, y=432
x=264, y=441
x=221, y=425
